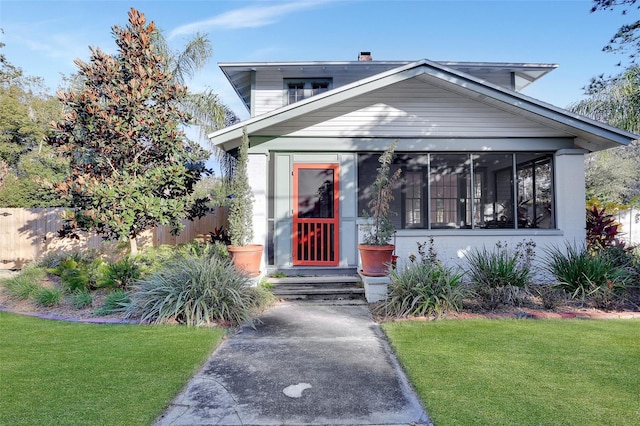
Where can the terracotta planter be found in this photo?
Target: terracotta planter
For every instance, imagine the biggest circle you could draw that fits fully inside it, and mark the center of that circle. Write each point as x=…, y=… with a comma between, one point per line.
x=376, y=260
x=247, y=258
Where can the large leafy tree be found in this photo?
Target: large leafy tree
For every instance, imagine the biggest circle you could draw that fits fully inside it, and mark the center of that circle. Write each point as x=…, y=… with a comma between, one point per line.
x=132, y=166
x=613, y=176
x=207, y=110
x=25, y=162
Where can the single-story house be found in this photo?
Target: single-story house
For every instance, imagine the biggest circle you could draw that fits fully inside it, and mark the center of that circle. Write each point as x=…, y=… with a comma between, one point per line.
x=481, y=162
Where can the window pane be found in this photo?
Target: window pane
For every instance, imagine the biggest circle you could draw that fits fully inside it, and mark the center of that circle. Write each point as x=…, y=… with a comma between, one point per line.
x=296, y=92
x=367, y=165
x=450, y=191
x=319, y=87
x=544, y=196
x=493, y=179
x=413, y=198
x=535, y=191
x=297, y=89
x=315, y=193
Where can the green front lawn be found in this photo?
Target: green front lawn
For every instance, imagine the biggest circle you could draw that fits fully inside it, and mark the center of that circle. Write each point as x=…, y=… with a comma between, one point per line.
x=523, y=372
x=54, y=372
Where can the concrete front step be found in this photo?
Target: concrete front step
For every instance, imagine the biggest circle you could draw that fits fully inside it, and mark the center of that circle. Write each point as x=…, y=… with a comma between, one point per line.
x=318, y=288
x=324, y=279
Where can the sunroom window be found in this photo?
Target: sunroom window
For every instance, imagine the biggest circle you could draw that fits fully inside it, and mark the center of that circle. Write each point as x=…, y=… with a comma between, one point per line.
x=299, y=89
x=295, y=92
x=413, y=198
x=467, y=191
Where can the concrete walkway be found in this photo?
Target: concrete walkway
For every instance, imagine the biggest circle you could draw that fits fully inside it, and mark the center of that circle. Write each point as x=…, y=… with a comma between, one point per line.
x=306, y=364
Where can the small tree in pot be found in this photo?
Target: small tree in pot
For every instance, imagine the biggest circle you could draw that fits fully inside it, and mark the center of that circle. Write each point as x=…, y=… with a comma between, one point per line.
x=376, y=251
x=246, y=257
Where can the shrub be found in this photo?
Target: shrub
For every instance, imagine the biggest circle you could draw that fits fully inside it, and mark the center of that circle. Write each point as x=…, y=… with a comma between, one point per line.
x=501, y=276
x=220, y=250
x=602, y=230
x=586, y=276
x=634, y=255
x=121, y=274
x=75, y=278
x=26, y=283
x=113, y=303
x=81, y=299
x=48, y=296
x=220, y=235
x=427, y=252
x=153, y=257
x=77, y=273
x=197, y=289
x=380, y=228
x=424, y=288
x=53, y=259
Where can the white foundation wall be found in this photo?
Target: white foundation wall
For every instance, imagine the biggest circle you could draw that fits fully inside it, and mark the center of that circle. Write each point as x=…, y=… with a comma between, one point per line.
x=453, y=249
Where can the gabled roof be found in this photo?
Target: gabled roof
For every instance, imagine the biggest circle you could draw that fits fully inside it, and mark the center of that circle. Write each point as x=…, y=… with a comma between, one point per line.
x=239, y=73
x=590, y=134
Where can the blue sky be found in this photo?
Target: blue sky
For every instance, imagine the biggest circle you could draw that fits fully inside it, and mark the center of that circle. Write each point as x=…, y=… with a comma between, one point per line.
x=44, y=37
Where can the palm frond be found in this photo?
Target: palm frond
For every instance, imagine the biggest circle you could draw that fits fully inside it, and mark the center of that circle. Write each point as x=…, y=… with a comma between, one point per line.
x=195, y=55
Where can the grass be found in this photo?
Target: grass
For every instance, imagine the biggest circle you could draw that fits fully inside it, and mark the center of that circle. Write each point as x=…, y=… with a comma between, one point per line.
x=85, y=374
x=26, y=284
x=512, y=372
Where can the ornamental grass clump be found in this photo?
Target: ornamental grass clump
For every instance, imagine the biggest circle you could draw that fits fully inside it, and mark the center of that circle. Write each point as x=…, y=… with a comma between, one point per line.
x=26, y=283
x=115, y=302
x=501, y=276
x=423, y=289
x=589, y=277
x=48, y=297
x=81, y=299
x=197, y=289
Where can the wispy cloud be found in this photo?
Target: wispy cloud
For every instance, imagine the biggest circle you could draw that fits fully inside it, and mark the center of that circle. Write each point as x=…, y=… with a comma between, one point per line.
x=246, y=17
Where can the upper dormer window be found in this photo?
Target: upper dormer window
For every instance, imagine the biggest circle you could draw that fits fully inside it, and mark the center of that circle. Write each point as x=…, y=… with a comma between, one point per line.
x=298, y=89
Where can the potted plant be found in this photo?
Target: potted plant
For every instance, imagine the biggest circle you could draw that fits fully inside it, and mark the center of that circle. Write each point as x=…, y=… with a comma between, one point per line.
x=376, y=250
x=245, y=255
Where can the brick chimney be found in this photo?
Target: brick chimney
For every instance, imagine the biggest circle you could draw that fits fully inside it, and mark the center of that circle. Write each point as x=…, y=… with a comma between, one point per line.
x=364, y=57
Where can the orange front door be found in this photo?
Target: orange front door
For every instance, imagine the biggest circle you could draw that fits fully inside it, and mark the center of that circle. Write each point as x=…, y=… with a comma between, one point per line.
x=315, y=214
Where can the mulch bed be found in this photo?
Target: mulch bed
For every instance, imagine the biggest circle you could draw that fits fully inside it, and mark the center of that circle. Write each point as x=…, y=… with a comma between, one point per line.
x=532, y=309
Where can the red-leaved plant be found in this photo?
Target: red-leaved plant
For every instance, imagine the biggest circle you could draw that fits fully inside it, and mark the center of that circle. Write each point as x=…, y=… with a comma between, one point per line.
x=602, y=230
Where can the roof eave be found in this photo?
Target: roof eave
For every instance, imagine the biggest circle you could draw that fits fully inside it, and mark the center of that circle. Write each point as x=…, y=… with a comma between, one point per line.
x=583, y=127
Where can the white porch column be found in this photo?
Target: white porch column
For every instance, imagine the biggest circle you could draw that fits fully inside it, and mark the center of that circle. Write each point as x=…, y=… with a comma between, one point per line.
x=258, y=178
x=570, y=194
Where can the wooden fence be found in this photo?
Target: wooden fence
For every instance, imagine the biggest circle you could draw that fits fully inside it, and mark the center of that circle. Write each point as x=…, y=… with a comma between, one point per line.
x=28, y=234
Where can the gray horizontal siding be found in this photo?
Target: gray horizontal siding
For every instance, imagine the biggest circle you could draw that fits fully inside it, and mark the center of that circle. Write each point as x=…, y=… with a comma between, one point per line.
x=268, y=91
x=269, y=88
x=412, y=108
